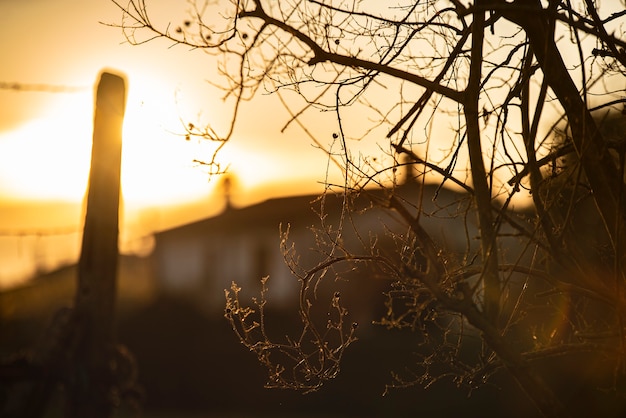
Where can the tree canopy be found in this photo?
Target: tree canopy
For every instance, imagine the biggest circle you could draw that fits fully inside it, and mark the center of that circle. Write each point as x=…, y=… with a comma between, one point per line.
x=507, y=100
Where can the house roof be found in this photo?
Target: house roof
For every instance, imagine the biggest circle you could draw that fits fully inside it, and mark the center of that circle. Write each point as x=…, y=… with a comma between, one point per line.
x=301, y=210
x=269, y=213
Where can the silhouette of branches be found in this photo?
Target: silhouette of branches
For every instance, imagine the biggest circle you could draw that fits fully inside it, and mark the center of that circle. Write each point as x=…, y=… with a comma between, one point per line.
x=519, y=104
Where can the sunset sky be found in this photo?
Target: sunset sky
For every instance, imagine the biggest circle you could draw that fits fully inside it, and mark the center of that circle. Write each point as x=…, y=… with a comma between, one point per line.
x=54, y=50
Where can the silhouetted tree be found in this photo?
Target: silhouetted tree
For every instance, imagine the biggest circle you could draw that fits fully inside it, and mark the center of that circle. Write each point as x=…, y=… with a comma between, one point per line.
x=470, y=94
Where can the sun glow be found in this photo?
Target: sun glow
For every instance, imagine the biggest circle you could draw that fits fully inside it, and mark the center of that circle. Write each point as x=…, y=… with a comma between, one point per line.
x=49, y=158
x=157, y=162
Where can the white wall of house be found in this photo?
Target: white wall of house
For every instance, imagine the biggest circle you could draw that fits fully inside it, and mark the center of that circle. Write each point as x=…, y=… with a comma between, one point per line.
x=204, y=265
x=203, y=260
x=181, y=265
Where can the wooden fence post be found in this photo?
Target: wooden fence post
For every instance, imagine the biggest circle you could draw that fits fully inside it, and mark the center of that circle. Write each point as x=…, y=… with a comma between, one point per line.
x=90, y=387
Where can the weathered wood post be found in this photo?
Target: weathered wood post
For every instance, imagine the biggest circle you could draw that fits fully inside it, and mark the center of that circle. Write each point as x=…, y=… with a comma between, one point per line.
x=91, y=383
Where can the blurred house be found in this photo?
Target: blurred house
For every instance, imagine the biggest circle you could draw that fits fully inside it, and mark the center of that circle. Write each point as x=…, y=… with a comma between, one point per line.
x=243, y=245
x=202, y=258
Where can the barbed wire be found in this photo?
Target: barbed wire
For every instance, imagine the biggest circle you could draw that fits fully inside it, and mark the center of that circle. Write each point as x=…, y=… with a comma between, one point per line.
x=39, y=232
x=42, y=88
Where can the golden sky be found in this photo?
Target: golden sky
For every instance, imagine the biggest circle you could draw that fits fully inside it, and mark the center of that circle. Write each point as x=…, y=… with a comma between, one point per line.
x=54, y=50
x=45, y=136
